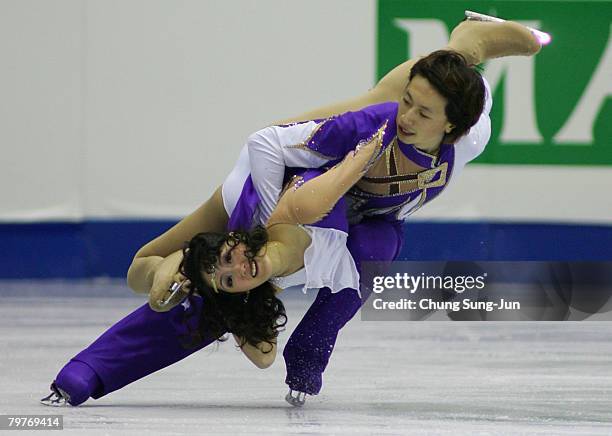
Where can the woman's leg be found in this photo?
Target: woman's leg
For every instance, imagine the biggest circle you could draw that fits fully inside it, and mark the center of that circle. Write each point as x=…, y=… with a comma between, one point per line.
x=480, y=41
x=141, y=343
x=477, y=41
x=310, y=346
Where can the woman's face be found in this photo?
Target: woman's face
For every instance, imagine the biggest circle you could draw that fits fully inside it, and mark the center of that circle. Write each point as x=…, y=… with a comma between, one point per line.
x=421, y=116
x=235, y=273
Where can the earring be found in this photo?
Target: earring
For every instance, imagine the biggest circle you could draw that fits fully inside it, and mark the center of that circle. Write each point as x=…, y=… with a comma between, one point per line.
x=246, y=297
x=213, y=281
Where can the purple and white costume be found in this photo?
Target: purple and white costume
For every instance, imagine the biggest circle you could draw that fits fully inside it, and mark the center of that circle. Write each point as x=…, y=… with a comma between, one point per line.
x=146, y=341
x=327, y=261
x=375, y=230
x=324, y=143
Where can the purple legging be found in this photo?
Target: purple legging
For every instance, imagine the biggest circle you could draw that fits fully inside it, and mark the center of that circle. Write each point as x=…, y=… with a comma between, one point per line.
x=141, y=343
x=145, y=341
x=310, y=346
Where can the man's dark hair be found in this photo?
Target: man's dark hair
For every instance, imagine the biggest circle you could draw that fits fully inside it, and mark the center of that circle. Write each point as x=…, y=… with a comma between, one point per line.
x=461, y=85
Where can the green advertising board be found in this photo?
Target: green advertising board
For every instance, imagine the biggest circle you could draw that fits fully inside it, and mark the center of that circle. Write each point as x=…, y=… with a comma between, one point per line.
x=554, y=108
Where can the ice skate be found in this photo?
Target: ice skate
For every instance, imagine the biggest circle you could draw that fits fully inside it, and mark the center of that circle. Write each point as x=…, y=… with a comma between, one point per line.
x=176, y=294
x=57, y=397
x=296, y=398
x=480, y=38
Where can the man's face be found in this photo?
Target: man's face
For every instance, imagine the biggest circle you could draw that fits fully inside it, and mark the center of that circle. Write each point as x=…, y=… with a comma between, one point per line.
x=421, y=117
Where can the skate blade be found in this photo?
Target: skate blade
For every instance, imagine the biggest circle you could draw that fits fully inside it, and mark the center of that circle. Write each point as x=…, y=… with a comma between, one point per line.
x=296, y=401
x=542, y=37
x=53, y=401
x=57, y=398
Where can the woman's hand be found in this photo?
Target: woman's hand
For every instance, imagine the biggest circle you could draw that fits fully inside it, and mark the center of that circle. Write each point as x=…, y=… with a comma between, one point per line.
x=366, y=153
x=166, y=274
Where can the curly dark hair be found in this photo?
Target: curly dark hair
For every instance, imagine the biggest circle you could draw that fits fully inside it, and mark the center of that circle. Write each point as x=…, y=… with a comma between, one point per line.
x=255, y=316
x=461, y=85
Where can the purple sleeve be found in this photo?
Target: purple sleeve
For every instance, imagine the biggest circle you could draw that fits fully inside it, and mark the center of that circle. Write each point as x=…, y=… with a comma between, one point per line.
x=340, y=134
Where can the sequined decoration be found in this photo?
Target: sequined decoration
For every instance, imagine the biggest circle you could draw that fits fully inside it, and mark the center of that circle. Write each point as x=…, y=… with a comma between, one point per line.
x=298, y=183
x=378, y=137
x=304, y=144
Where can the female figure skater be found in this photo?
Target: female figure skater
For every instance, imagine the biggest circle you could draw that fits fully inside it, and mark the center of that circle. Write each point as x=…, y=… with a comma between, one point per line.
x=237, y=275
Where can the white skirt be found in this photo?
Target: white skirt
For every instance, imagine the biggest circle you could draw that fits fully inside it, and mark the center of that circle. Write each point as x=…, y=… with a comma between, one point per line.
x=327, y=263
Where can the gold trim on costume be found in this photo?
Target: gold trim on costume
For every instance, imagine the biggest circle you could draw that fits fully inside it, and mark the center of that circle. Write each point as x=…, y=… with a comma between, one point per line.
x=424, y=182
x=421, y=201
x=392, y=178
x=303, y=145
x=360, y=193
x=393, y=188
x=388, y=153
x=424, y=177
x=378, y=136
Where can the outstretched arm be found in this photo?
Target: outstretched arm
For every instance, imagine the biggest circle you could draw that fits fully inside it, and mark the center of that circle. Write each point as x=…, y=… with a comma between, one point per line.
x=308, y=202
x=304, y=145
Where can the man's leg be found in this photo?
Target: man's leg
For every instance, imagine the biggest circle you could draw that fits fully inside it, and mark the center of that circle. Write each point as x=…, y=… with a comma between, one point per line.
x=310, y=346
x=141, y=343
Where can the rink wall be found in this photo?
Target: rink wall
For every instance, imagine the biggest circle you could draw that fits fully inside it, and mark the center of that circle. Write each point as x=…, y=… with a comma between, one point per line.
x=119, y=117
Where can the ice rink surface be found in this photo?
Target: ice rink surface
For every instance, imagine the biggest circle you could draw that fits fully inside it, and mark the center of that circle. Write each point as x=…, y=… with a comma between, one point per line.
x=385, y=378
